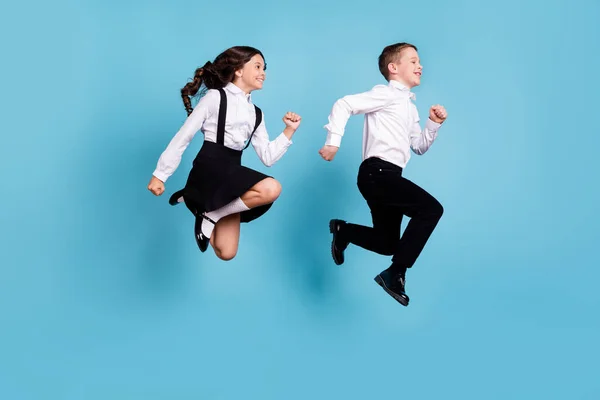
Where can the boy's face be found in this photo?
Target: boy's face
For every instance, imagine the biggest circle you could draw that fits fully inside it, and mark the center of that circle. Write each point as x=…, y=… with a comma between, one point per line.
x=408, y=69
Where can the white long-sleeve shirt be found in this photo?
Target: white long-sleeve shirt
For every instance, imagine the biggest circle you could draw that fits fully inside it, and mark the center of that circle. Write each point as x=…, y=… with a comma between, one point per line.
x=239, y=123
x=391, y=128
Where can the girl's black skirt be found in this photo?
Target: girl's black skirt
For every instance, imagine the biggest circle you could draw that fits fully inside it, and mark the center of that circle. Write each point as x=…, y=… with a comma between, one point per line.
x=216, y=179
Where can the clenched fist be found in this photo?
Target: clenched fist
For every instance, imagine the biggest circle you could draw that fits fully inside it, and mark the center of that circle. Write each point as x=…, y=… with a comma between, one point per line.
x=292, y=120
x=156, y=186
x=437, y=114
x=328, y=152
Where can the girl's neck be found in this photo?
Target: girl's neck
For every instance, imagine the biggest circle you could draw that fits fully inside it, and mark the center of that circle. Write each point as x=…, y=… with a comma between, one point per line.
x=241, y=86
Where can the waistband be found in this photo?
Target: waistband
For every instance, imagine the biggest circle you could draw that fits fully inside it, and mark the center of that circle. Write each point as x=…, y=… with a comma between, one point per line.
x=213, y=150
x=376, y=162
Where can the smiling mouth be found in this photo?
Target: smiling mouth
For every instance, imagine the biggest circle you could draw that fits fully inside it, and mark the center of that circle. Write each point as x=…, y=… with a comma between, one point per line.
x=418, y=73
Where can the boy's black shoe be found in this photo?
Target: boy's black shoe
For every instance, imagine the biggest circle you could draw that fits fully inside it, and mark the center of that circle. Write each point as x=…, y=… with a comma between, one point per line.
x=337, y=244
x=201, y=240
x=393, y=285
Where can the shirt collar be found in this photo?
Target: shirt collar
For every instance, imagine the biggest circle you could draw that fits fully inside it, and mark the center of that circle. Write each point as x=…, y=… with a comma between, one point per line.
x=403, y=88
x=237, y=91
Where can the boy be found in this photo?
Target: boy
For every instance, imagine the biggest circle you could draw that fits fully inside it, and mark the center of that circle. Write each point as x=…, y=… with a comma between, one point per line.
x=391, y=130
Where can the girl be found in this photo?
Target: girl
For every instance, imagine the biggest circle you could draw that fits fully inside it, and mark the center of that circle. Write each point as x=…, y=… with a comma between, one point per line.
x=220, y=192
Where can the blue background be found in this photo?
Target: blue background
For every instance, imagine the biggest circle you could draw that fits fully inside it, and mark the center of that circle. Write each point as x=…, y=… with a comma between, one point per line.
x=104, y=295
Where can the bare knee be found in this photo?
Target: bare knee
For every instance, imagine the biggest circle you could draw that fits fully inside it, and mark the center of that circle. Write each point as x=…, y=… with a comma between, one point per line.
x=270, y=190
x=225, y=254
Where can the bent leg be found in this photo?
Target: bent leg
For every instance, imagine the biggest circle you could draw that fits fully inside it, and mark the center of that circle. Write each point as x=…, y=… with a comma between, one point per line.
x=226, y=236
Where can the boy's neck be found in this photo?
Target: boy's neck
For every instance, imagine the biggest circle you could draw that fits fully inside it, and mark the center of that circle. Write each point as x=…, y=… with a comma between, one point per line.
x=396, y=79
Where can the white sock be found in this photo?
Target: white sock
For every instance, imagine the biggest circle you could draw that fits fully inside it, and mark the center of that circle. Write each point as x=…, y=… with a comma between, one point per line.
x=235, y=206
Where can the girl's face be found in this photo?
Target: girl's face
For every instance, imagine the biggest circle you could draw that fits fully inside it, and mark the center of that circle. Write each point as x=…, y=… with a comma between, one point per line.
x=252, y=75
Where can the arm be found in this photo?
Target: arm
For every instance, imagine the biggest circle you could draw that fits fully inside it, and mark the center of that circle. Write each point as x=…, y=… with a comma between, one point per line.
x=268, y=151
x=171, y=157
x=422, y=139
x=362, y=103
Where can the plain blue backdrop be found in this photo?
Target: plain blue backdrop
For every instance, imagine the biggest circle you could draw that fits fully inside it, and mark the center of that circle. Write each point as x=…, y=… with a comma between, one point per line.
x=104, y=294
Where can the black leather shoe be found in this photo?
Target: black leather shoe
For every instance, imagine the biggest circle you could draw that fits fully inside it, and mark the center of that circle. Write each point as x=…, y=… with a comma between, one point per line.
x=337, y=245
x=176, y=198
x=394, y=286
x=201, y=240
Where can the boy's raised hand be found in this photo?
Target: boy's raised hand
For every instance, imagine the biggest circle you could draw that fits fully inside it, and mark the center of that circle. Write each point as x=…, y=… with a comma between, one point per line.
x=437, y=113
x=156, y=186
x=328, y=152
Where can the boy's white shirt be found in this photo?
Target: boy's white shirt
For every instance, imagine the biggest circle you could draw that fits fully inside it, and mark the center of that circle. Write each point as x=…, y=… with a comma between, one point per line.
x=391, y=128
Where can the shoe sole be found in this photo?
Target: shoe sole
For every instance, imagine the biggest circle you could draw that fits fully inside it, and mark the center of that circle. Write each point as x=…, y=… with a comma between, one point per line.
x=334, y=233
x=398, y=298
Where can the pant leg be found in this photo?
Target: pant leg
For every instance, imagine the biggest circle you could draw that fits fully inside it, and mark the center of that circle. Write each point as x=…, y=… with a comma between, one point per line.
x=382, y=238
x=390, y=196
x=424, y=212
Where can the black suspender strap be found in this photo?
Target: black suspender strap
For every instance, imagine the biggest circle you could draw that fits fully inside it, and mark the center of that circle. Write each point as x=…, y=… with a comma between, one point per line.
x=222, y=115
x=256, y=124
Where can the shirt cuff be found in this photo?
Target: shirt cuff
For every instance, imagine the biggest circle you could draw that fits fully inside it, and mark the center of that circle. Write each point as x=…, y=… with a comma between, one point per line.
x=284, y=140
x=432, y=126
x=160, y=175
x=333, y=139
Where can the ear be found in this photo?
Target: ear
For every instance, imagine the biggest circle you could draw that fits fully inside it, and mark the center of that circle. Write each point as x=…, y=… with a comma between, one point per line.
x=239, y=73
x=392, y=68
